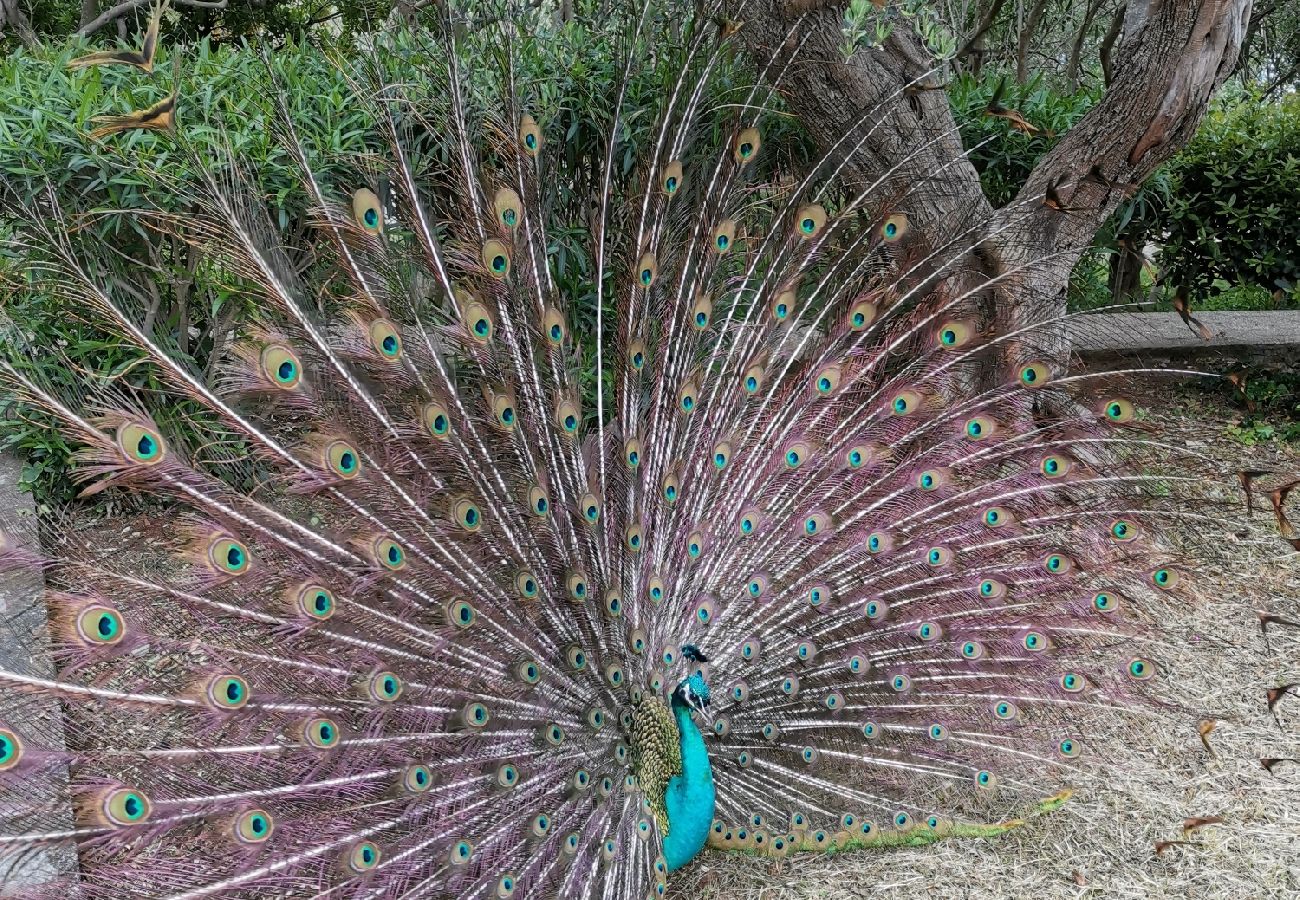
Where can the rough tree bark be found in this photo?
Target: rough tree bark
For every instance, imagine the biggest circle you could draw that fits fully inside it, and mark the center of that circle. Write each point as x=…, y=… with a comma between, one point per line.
x=1173, y=54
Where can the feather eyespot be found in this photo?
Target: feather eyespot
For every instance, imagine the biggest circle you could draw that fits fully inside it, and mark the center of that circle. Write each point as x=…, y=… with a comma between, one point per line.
x=757, y=586
x=879, y=542
x=655, y=589
x=980, y=428
x=671, y=487
x=985, y=780
x=634, y=538
x=1072, y=683
x=827, y=381
x=997, y=517
x=11, y=750
x=1165, y=578
x=506, y=207
x=125, y=806
x=1124, y=531
x=477, y=321
x=752, y=380
x=905, y=403
x=436, y=420
x=553, y=327
x=810, y=220
x=367, y=211
x=632, y=453
x=938, y=557
x=253, y=826
x=140, y=444
x=342, y=459
x=503, y=410
x=688, y=397
x=647, y=270
x=796, y=454
x=530, y=136
x=858, y=456
x=496, y=258
x=929, y=631
x=384, y=686
x=226, y=691
x=1141, y=669
x=701, y=312
x=992, y=589
x=228, y=556
x=363, y=856
x=539, y=504
x=526, y=585
x=721, y=455
x=724, y=235
x=460, y=853
x=388, y=553
x=1118, y=410
x=672, y=179
x=461, y=613
x=385, y=340
x=954, y=335
x=1058, y=564
x=1105, y=602
x=695, y=545
x=783, y=306
x=636, y=354
x=567, y=417
x=589, y=508
x=466, y=514
x=861, y=315
x=321, y=732
x=1005, y=710
x=100, y=625
x=1070, y=748
x=528, y=671
x=816, y=524
x=746, y=146
x=893, y=228
x=576, y=585
x=1034, y=375
x=1053, y=466
x=280, y=367
x=417, y=779
x=314, y=602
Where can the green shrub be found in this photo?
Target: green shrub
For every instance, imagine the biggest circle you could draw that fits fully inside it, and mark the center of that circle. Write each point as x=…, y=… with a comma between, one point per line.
x=1229, y=222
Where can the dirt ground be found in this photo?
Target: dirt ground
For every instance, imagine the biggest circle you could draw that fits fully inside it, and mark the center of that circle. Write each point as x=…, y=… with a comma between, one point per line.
x=1101, y=843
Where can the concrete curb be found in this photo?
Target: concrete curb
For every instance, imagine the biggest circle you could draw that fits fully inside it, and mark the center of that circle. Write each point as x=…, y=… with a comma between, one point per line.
x=25, y=647
x=1252, y=332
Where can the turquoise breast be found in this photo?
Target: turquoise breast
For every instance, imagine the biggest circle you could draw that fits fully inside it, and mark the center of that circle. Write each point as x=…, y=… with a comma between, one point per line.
x=690, y=796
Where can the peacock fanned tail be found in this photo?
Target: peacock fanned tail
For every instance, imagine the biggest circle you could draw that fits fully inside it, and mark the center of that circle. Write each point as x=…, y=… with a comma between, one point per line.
x=438, y=522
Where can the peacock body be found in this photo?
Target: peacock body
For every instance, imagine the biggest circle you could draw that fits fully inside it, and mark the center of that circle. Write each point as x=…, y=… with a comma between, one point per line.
x=454, y=565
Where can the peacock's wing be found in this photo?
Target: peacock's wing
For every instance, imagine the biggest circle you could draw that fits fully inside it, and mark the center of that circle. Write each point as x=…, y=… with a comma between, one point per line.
x=656, y=754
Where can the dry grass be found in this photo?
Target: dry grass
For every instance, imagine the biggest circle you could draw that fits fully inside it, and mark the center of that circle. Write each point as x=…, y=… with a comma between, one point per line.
x=1101, y=844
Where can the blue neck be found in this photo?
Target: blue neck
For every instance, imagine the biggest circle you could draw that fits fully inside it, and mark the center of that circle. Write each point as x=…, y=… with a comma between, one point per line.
x=690, y=796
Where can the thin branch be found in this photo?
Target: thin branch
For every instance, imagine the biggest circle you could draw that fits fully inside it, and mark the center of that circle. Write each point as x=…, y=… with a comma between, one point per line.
x=981, y=29
x=129, y=5
x=1108, y=43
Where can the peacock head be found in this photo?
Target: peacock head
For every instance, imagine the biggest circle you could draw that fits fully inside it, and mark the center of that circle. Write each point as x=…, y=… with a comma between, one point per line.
x=693, y=690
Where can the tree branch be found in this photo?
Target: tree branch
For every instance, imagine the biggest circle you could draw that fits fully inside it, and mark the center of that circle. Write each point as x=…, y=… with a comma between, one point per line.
x=127, y=6
x=981, y=28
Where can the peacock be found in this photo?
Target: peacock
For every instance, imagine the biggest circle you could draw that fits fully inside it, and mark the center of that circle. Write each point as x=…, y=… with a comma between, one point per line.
x=773, y=536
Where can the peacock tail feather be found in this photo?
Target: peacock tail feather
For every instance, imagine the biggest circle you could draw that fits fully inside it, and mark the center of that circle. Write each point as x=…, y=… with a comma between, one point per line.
x=430, y=540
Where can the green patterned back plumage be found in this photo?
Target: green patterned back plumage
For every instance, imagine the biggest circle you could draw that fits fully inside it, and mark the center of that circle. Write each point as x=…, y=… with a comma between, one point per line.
x=442, y=527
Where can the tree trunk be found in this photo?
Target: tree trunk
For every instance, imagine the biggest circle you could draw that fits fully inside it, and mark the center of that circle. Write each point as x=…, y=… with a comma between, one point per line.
x=1173, y=55
x=89, y=9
